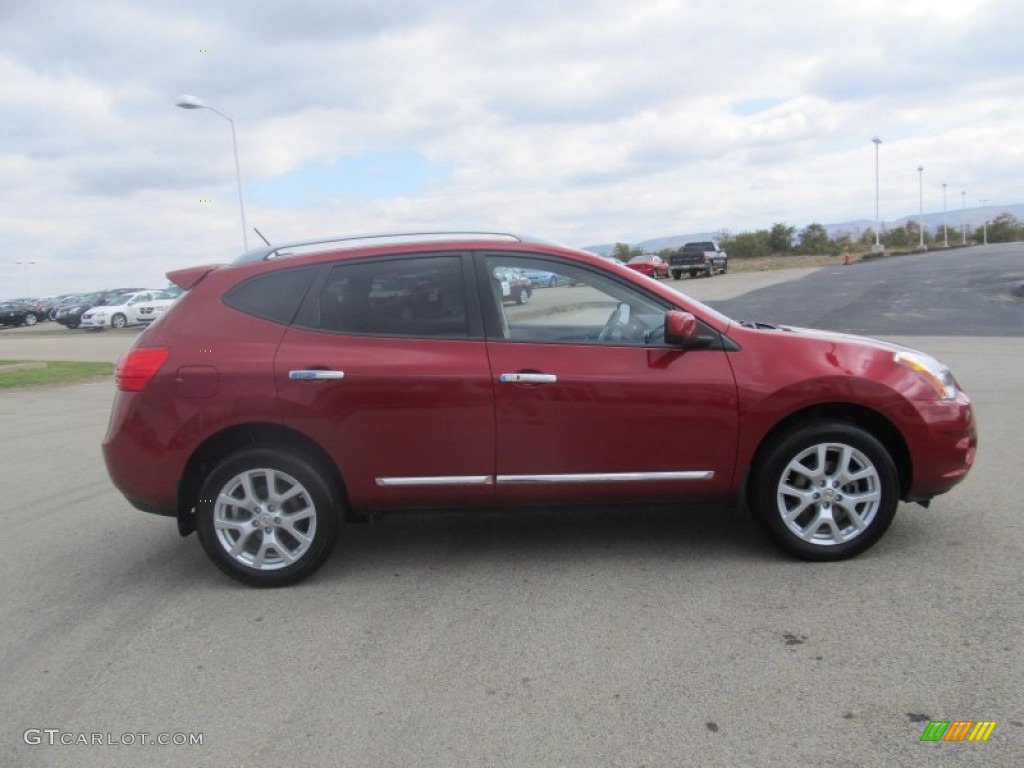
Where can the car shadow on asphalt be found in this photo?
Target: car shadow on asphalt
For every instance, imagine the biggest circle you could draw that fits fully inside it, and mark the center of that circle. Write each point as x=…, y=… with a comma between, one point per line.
x=548, y=536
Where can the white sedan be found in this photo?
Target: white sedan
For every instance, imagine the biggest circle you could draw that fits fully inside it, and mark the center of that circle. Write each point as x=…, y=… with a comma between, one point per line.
x=148, y=311
x=121, y=311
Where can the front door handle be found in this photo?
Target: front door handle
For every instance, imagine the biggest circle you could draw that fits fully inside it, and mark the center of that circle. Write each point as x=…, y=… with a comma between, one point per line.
x=315, y=375
x=528, y=378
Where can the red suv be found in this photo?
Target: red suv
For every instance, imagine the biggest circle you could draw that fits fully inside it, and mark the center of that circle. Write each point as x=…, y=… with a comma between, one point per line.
x=309, y=384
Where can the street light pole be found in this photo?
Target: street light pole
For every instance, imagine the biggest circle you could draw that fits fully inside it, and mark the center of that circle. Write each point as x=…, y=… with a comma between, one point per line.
x=191, y=102
x=945, y=229
x=878, y=222
x=920, y=205
x=28, y=276
x=984, y=226
x=963, y=214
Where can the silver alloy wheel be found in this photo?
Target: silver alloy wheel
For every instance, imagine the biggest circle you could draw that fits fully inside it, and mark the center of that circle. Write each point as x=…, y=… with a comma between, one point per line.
x=118, y=321
x=30, y=319
x=265, y=519
x=829, y=494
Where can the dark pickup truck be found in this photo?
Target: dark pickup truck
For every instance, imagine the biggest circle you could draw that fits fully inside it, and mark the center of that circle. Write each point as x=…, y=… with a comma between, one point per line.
x=703, y=258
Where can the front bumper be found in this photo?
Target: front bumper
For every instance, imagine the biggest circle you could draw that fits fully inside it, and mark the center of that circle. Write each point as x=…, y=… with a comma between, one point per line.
x=944, y=446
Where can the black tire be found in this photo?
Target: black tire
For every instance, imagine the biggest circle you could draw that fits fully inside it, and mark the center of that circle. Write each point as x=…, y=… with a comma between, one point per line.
x=711, y=270
x=676, y=274
x=553, y=282
x=118, y=321
x=522, y=296
x=72, y=325
x=694, y=273
x=314, y=511
x=31, y=319
x=820, y=492
x=725, y=266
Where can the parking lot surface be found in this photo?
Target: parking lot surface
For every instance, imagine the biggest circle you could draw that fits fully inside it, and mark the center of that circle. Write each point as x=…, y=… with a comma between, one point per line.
x=584, y=637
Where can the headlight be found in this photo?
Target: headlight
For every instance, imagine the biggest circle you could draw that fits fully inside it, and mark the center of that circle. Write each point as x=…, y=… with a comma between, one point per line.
x=931, y=370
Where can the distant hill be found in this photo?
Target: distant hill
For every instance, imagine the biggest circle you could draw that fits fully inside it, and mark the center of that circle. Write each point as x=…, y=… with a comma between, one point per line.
x=954, y=218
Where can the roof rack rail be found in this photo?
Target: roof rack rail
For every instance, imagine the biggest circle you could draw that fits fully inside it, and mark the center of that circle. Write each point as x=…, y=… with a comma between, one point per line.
x=285, y=250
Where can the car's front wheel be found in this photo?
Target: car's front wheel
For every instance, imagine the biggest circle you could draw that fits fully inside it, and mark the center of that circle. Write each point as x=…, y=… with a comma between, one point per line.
x=825, y=491
x=266, y=517
x=31, y=319
x=522, y=296
x=118, y=321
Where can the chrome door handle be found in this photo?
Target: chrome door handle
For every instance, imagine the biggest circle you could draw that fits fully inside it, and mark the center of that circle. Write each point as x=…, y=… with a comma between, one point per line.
x=315, y=375
x=528, y=378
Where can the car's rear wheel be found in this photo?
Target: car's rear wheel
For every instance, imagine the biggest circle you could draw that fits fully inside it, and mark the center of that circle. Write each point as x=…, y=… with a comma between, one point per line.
x=825, y=491
x=522, y=296
x=266, y=517
x=694, y=273
x=676, y=274
x=118, y=321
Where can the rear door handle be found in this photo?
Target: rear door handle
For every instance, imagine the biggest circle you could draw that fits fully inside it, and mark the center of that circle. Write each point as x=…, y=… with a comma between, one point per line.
x=315, y=375
x=528, y=378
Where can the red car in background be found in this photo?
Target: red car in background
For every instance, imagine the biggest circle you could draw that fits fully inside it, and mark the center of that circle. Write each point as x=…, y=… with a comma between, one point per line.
x=649, y=264
x=287, y=393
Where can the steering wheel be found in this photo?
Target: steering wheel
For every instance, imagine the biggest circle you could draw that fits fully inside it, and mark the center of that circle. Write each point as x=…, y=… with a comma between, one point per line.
x=617, y=323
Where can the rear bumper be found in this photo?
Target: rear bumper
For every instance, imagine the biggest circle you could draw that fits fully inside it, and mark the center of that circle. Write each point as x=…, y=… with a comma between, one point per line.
x=142, y=459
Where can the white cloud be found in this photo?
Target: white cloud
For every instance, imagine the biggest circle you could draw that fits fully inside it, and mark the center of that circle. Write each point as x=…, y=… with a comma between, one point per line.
x=586, y=121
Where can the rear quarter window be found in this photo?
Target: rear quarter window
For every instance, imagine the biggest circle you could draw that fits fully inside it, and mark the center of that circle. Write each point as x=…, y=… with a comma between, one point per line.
x=275, y=296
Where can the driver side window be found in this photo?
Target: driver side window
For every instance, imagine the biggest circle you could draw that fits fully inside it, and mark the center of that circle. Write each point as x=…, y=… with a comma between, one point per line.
x=552, y=302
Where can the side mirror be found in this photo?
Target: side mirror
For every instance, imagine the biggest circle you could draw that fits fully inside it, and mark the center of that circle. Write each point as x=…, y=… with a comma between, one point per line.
x=681, y=328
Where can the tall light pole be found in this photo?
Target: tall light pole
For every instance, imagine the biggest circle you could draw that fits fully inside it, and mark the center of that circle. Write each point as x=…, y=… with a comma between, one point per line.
x=984, y=226
x=963, y=214
x=920, y=204
x=28, y=276
x=945, y=229
x=191, y=102
x=877, y=248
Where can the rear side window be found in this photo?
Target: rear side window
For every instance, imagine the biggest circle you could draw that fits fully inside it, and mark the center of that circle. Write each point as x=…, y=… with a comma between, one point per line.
x=275, y=296
x=422, y=296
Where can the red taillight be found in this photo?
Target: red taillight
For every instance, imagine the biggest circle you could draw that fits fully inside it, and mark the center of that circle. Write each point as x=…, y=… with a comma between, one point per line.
x=136, y=368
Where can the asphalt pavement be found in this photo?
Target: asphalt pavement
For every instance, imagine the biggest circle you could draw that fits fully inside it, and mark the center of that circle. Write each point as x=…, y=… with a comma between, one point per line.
x=585, y=637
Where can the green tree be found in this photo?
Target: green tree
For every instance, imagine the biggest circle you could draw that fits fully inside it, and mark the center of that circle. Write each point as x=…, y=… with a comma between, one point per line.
x=898, y=237
x=748, y=245
x=814, y=239
x=780, y=239
x=623, y=251
x=1004, y=228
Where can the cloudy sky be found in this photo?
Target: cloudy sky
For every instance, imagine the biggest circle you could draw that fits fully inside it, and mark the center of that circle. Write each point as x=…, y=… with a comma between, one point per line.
x=587, y=121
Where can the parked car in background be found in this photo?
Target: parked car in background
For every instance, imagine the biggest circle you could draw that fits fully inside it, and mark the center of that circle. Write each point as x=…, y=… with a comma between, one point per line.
x=118, y=312
x=70, y=313
x=649, y=264
x=64, y=301
x=148, y=311
x=381, y=374
x=541, y=279
x=15, y=313
x=699, y=258
x=515, y=286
